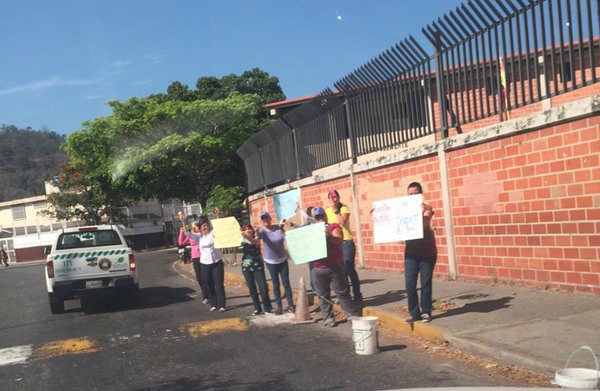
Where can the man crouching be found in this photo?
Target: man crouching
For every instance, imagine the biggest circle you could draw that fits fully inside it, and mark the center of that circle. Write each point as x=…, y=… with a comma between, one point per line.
x=328, y=273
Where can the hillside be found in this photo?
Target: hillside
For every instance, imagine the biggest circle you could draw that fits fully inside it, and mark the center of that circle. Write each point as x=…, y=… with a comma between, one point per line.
x=27, y=158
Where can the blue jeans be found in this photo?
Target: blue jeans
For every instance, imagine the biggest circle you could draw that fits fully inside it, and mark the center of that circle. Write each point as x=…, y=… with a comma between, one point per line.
x=349, y=251
x=412, y=267
x=332, y=278
x=275, y=270
x=257, y=277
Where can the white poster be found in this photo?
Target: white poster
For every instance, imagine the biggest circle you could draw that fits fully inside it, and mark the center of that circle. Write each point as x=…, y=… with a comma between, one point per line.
x=398, y=219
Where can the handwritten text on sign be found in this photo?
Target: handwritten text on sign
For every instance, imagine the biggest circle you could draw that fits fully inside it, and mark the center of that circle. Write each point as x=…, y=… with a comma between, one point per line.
x=227, y=232
x=398, y=219
x=286, y=204
x=306, y=244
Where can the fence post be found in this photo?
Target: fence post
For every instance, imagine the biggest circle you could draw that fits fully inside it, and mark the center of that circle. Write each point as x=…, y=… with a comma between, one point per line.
x=439, y=84
x=446, y=200
x=351, y=136
x=355, y=199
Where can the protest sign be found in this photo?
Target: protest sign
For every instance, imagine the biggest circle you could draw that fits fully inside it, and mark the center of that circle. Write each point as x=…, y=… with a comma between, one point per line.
x=286, y=204
x=307, y=243
x=398, y=219
x=227, y=232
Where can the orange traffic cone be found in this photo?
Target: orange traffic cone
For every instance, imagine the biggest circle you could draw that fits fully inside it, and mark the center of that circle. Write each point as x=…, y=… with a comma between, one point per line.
x=301, y=315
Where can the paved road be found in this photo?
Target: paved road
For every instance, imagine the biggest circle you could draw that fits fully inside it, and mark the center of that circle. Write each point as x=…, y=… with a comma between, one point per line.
x=170, y=341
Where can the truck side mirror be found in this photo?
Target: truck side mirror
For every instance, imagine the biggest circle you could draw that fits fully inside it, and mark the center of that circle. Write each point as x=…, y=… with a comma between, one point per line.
x=47, y=249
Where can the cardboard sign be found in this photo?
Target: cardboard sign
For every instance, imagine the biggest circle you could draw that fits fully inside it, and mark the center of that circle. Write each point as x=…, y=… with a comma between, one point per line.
x=227, y=232
x=398, y=219
x=286, y=204
x=306, y=244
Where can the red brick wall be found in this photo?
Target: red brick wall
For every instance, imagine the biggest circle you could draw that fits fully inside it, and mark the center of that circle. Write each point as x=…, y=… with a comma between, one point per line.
x=526, y=208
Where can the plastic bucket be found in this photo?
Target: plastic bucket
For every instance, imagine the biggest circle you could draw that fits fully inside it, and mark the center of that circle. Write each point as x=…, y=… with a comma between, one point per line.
x=364, y=335
x=579, y=378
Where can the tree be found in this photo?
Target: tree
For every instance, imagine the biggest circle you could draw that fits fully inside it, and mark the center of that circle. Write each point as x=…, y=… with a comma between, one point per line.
x=226, y=200
x=255, y=81
x=181, y=144
x=183, y=149
x=86, y=190
x=28, y=157
x=178, y=91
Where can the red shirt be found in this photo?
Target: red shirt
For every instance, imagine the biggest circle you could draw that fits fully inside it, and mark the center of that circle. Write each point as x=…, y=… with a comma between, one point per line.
x=424, y=247
x=334, y=252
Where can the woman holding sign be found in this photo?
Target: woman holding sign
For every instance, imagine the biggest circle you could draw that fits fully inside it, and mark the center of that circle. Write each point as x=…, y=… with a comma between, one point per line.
x=276, y=258
x=211, y=266
x=254, y=271
x=420, y=256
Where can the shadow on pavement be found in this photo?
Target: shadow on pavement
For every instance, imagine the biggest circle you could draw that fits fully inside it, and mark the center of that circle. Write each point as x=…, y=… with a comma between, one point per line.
x=384, y=298
x=483, y=306
x=389, y=348
x=151, y=297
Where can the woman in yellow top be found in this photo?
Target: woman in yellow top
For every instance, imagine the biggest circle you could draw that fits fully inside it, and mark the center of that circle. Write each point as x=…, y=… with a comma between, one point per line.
x=339, y=213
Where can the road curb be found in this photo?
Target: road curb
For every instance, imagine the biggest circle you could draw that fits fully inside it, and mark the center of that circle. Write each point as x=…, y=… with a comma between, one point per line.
x=386, y=318
x=396, y=322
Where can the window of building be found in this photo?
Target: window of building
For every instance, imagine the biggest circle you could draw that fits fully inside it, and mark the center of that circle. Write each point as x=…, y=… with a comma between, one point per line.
x=40, y=205
x=18, y=212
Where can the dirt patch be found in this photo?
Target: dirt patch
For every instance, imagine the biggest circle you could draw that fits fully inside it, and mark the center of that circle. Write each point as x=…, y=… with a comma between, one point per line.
x=512, y=372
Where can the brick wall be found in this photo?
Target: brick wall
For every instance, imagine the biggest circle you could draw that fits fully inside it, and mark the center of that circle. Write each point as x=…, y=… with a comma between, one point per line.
x=525, y=208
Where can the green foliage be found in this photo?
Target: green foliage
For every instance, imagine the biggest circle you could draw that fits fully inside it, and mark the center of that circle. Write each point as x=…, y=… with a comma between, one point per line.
x=182, y=149
x=180, y=145
x=28, y=158
x=225, y=199
x=255, y=81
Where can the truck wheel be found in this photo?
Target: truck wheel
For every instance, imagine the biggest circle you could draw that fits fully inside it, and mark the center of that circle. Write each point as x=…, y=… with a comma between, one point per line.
x=57, y=304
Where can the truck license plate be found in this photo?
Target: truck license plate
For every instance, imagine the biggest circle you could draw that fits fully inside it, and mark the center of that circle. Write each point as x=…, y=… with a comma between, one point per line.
x=93, y=284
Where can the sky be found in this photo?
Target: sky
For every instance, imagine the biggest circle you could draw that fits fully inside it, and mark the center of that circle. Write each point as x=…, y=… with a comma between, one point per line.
x=63, y=60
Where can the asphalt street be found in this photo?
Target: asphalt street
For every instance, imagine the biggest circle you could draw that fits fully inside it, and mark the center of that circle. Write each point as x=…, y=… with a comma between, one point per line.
x=170, y=341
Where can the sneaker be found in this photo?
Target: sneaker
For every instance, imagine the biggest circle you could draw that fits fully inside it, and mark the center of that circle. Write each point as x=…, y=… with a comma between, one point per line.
x=426, y=318
x=329, y=323
x=411, y=320
x=213, y=308
x=257, y=313
x=222, y=309
x=278, y=311
x=291, y=309
x=205, y=301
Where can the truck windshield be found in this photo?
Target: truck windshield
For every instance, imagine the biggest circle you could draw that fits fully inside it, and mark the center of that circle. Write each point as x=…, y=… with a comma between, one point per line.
x=88, y=239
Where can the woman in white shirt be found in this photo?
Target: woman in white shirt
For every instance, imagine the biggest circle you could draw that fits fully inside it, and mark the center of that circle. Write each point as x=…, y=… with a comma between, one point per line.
x=211, y=265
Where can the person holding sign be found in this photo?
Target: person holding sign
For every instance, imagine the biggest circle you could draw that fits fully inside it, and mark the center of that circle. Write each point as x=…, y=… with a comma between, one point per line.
x=254, y=270
x=183, y=241
x=339, y=213
x=420, y=256
x=328, y=273
x=276, y=258
x=212, y=271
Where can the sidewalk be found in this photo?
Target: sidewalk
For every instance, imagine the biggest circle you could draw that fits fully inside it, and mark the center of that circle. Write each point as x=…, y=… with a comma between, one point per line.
x=535, y=329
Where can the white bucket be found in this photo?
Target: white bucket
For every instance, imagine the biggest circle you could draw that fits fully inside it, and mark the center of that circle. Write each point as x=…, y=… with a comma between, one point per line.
x=579, y=378
x=364, y=335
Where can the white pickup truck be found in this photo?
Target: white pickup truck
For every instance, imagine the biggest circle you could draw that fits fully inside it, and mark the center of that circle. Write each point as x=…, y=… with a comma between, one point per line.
x=85, y=261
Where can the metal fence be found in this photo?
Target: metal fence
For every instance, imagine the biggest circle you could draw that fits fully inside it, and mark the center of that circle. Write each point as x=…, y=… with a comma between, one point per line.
x=488, y=58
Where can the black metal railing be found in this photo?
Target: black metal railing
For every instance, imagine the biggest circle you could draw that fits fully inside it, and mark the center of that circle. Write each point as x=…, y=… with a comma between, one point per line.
x=489, y=58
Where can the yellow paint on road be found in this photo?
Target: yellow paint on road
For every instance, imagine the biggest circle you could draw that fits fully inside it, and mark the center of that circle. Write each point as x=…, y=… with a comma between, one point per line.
x=200, y=329
x=66, y=346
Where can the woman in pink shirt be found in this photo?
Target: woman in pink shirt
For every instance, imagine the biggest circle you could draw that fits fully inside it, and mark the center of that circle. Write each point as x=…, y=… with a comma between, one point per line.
x=184, y=240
